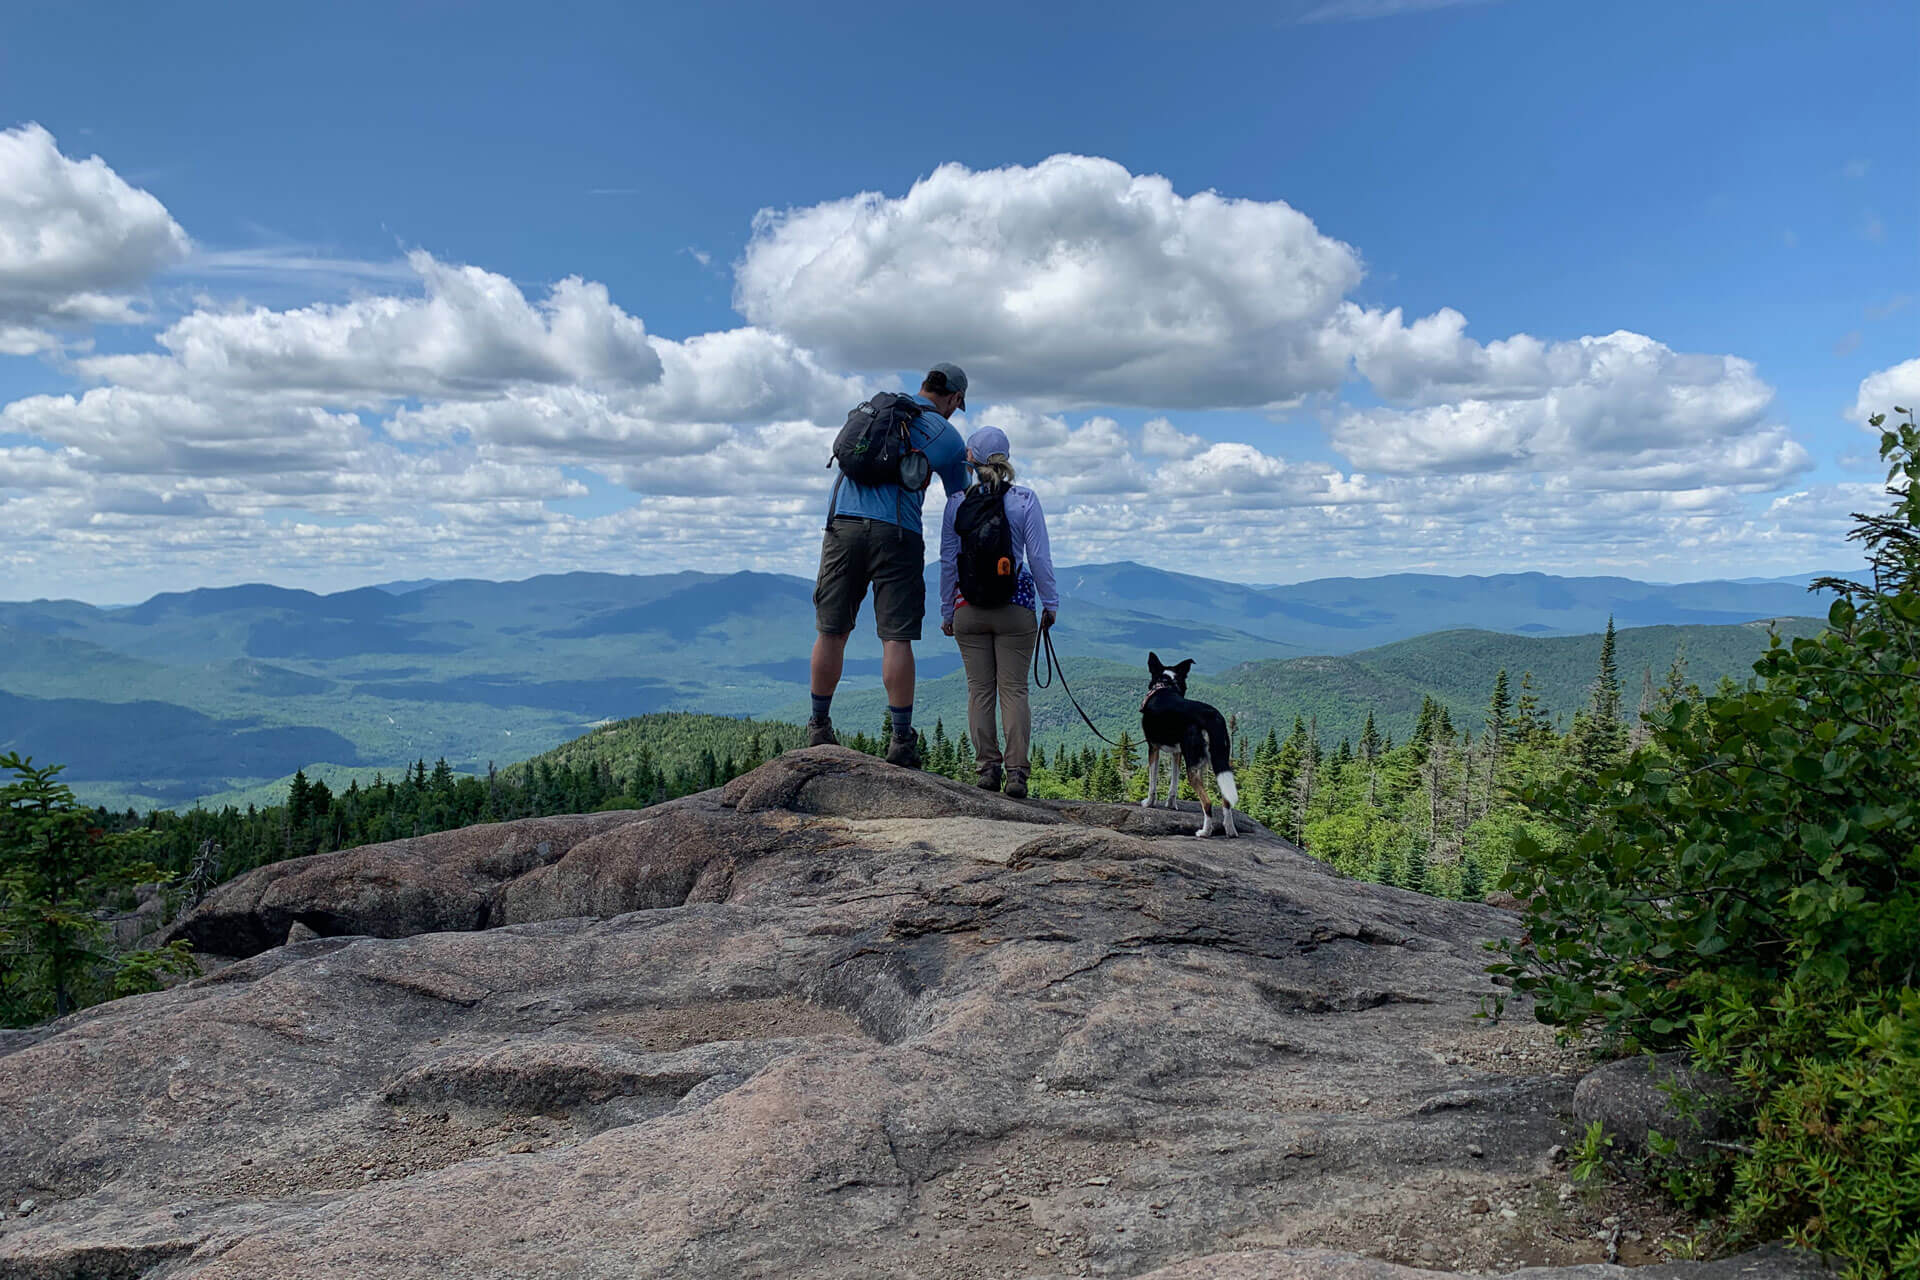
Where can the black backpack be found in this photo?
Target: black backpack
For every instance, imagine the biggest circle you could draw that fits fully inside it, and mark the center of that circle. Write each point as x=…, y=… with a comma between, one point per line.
x=988, y=574
x=875, y=447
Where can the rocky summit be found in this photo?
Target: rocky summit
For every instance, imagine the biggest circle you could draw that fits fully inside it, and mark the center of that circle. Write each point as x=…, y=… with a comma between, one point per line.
x=835, y=1019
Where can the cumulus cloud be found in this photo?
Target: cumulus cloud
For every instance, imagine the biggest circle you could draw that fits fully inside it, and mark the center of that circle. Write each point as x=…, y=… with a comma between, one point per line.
x=76, y=241
x=452, y=414
x=1879, y=392
x=120, y=430
x=1072, y=281
x=1626, y=410
x=469, y=334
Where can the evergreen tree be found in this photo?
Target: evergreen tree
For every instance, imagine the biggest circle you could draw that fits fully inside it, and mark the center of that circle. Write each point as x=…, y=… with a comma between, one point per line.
x=299, y=803
x=1417, y=866
x=56, y=867
x=1370, y=740
x=1499, y=708
x=1598, y=738
x=1529, y=721
x=1606, y=682
x=1473, y=881
x=1428, y=723
x=1126, y=754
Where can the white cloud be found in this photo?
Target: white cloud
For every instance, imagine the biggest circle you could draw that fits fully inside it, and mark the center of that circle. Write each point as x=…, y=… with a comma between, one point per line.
x=471, y=333
x=1879, y=392
x=437, y=427
x=19, y=340
x=1623, y=410
x=1160, y=438
x=114, y=429
x=76, y=241
x=1070, y=282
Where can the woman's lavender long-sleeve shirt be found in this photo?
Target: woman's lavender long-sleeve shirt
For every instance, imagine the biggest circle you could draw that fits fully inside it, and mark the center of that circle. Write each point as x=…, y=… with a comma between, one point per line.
x=1028, y=527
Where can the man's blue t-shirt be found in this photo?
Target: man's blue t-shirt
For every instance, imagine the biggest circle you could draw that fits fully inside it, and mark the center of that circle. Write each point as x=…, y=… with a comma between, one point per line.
x=946, y=454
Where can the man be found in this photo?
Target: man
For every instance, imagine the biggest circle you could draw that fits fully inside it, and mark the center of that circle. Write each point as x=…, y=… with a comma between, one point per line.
x=873, y=538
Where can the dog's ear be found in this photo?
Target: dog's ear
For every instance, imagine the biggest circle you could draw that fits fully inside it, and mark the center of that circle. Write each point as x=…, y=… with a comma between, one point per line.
x=1183, y=666
x=1154, y=665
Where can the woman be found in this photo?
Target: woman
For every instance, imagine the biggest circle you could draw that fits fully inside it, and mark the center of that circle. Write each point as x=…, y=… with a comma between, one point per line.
x=996, y=643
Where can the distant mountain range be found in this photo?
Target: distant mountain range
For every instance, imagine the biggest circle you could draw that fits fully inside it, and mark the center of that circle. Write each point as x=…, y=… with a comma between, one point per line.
x=196, y=692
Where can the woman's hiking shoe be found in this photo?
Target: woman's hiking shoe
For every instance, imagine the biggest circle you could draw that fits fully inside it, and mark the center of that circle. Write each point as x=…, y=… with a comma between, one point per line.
x=1017, y=787
x=820, y=734
x=904, y=752
x=990, y=778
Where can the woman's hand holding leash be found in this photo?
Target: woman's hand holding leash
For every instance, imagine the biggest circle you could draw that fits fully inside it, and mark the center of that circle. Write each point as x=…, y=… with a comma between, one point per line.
x=1046, y=619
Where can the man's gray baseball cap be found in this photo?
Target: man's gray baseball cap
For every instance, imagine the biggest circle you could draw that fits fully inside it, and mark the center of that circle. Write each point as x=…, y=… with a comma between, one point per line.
x=944, y=378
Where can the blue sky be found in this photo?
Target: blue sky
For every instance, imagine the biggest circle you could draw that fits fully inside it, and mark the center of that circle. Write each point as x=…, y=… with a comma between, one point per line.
x=1722, y=180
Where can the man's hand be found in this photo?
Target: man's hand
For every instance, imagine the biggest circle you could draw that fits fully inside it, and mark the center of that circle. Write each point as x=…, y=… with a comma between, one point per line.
x=1046, y=619
x=946, y=628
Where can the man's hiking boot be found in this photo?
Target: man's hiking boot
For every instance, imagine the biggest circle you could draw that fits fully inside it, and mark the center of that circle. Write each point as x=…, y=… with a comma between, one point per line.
x=990, y=778
x=1016, y=787
x=904, y=752
x=820, y=734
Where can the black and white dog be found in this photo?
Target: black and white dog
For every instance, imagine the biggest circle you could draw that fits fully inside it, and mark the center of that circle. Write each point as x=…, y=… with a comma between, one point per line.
x=1171, y=721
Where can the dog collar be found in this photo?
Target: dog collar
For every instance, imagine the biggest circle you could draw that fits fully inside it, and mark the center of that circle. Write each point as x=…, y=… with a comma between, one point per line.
x=1158, y=685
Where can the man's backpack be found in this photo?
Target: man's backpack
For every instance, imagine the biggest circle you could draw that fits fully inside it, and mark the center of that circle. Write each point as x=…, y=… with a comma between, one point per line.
x=875, y=447
x=988, y=574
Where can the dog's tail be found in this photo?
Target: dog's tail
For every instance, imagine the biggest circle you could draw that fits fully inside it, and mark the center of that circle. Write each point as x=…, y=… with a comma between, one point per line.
x=1220, y=751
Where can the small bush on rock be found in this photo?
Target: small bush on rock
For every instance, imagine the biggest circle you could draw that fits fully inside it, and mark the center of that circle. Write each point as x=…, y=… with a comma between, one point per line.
x=1747, y=885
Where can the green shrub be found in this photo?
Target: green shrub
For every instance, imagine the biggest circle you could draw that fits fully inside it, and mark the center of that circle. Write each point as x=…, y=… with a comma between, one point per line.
x=1747, y=885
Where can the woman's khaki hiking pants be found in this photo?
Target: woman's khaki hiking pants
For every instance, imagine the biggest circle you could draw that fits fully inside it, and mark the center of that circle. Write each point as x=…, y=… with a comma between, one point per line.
x=996, y=647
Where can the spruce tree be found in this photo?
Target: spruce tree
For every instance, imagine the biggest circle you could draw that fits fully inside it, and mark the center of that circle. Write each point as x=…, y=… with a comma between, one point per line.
x=1606, y=682
x=1598, y=737
x=1416, y=874
x=299, y=804
x=1499, y=708
x=1126, y=755
x=1473, y=881
x=1529, y=721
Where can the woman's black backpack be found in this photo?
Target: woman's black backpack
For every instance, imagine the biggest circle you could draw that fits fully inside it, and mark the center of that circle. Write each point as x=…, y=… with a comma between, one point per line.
x=988, y=574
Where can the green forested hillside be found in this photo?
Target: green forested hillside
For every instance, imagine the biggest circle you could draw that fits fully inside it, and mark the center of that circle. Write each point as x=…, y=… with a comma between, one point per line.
x=218, y=692
x=671, y=744
x=1454, y=668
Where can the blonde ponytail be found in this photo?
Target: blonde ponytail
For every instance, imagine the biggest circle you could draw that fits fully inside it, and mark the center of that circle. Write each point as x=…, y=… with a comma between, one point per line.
x=997, y=469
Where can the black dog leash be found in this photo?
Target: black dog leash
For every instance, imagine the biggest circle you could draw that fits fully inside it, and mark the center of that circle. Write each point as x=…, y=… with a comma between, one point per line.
x=1055, y=669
